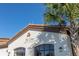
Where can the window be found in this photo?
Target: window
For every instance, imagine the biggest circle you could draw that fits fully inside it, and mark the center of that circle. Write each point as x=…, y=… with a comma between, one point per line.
x=19, y=51
x=44, y=50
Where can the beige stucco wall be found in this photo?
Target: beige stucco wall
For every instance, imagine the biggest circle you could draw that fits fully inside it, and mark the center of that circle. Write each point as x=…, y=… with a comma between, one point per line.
x=37, y=37
x=3, y=52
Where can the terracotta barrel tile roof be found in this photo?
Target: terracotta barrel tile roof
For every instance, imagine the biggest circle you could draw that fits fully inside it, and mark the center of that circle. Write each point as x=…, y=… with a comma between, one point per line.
x=4, y=42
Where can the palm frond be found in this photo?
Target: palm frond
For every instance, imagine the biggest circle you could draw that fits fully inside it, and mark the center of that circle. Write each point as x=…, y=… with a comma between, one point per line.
x=57, y=10
x=52, y=17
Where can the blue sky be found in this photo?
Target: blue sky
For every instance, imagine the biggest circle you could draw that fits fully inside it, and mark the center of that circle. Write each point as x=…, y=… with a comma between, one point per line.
x=14, y=17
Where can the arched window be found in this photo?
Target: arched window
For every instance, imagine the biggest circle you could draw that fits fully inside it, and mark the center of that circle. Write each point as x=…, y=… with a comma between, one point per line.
x=44, y=50
x=19, y=51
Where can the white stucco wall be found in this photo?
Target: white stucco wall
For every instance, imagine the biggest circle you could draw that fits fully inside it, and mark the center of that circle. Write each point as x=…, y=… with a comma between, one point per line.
x=3, y=52
x=37, y=37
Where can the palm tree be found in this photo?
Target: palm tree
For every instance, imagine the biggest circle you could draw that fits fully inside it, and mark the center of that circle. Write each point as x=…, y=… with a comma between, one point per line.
x=62, y=12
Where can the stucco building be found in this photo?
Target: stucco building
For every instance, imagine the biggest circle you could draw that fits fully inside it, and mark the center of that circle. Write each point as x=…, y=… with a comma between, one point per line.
x=40, y=40
x=4, y=46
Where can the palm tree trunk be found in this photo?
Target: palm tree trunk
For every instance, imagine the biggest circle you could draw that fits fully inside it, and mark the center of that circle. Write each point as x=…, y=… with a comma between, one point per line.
x=73, y=37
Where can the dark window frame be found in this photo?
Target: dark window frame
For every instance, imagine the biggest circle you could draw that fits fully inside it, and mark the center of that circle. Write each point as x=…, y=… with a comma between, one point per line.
x=42, y=49
x=20, y=51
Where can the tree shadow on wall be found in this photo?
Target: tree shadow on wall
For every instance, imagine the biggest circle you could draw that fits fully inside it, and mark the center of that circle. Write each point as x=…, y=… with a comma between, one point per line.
x=47, y=34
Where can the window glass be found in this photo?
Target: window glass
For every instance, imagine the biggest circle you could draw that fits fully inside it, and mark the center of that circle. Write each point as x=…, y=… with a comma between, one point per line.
x=19, y=51
x=44, y=50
